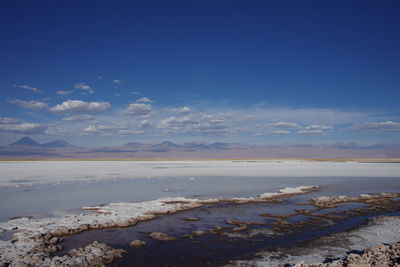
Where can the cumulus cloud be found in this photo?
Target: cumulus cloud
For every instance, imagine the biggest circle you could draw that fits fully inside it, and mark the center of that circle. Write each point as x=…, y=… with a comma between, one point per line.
x=102, y=129
x=83, y=86
x=310, y=132
x=379, y=126
x=284, y=125
x=91, y=129
x=27, y=87
x=78, y=106
x=117, y=81
x=62, y=92
x=122, y=125
x=145, y=124
x=23, y=128
x=78, y=117
x=139, y=109
x=34, y=105
x=180, y=110
x=319, y=127
x=8, y=120
x=56, y=131
x=197, y=123
x=144, y=100
x=280, y=132
x=246, y=118
x=130, y=132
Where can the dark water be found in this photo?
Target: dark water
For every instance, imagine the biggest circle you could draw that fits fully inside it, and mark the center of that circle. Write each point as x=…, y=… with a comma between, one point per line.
x=217, y=248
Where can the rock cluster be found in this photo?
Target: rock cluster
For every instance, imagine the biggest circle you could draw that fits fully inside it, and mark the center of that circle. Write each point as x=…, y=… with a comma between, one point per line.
x=333, y=201
x=380, y=255
x=138, y=244
x=162, y=237
x=95, y=254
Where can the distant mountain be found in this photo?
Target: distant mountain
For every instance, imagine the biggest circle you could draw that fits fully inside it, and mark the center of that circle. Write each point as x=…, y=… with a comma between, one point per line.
x=195, y=145
x=219, y=145
x=345, y=146
x=383, y=146
x=166, y=144
x=29, y=142
x=132, y=144
x=26, y=141
x=57, y=143
x=27, y=148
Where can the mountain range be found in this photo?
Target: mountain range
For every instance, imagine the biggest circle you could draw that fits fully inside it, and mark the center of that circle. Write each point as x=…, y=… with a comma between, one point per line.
x=27, y=148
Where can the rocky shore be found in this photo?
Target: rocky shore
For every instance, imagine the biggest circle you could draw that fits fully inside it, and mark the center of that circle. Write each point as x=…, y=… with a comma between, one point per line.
x=380, y=255
x=374, y=244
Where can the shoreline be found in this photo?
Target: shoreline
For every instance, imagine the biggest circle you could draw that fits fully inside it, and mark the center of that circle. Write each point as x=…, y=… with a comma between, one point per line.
x=361, y=160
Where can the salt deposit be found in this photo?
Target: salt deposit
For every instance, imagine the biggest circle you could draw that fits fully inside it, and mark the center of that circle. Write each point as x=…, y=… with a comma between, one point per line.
x=34, y=172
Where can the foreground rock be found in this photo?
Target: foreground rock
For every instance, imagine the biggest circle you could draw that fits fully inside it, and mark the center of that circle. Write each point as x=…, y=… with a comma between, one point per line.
x=138, y=244
x=380, y=255
x=333, y=250
x=162, y=237
x=95, y=254
x=333, y=201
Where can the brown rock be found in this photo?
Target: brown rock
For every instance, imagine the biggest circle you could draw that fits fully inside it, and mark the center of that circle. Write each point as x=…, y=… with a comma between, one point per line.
x=138, y=244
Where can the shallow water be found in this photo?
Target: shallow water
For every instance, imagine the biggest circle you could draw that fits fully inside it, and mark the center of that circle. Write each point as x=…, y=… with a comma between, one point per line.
x=46, y=200
x=217, y=248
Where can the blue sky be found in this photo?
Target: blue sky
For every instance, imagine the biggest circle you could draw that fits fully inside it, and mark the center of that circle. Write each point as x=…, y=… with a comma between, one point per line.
x=262, y=72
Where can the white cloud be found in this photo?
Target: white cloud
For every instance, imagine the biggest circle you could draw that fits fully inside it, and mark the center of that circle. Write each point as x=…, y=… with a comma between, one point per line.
x=310, y=132
x=284, y=125
x=56, y=131
x=180, y=110
x=91, y=129
x=122, y=125
x=145, y=124
x=247, y=118
x=135, y=93
x=117, y=81
x=8, y=120
x=62, y=92
x=78, y=106
x=139, y=109
x=144, y=100
x=280, y=132
x=83, y=86
x=34, y=105
x=27, y=87
x=105, y=130
x=117, y=94
x=130, y=132
x=319, y=127
x=23, y=128
x=379, y=126
x=79, y=117
x=197, y=123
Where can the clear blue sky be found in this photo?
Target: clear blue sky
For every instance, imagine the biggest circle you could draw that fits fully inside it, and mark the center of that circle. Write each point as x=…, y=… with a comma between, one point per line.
x=107, y=72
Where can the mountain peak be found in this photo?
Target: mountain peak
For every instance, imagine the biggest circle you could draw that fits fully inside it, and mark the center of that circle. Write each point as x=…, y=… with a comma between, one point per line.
x=167, y=143
x=25, y=141
x=57, y=143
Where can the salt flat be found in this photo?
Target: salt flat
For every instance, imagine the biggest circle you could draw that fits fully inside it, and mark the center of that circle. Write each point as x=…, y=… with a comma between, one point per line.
x=45, y=193
x=30, y=172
